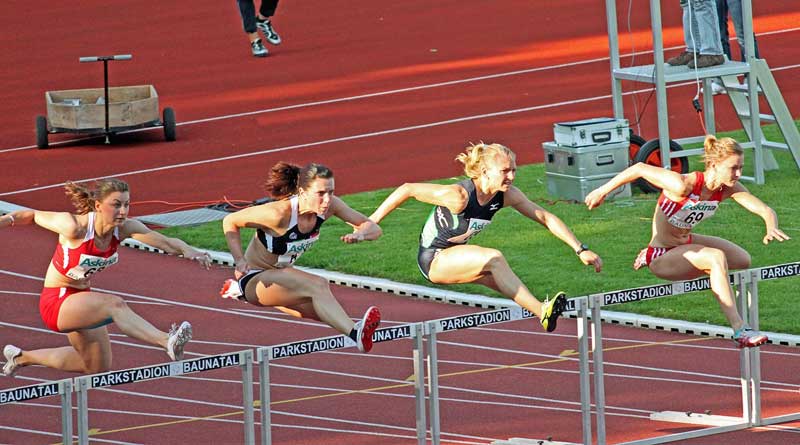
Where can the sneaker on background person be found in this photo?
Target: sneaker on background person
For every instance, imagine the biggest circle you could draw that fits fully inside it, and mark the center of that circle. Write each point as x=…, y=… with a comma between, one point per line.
x=258, y=49
x=265, y=26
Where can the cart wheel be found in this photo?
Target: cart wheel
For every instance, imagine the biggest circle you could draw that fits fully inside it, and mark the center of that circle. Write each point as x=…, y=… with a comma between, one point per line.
x=41, y=132
x=636, y=144
x=650, y=153
x=169, y=124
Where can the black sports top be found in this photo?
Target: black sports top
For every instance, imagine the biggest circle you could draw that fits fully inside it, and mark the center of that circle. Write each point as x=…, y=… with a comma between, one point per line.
x=293, y=243
x=443, y=229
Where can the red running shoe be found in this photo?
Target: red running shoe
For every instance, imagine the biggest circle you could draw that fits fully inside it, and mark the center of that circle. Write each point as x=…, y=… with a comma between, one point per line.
x=366, y=327
x=748, y=338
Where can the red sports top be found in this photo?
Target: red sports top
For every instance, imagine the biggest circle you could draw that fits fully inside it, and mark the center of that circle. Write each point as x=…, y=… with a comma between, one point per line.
x=85, y=260
x=687, y=213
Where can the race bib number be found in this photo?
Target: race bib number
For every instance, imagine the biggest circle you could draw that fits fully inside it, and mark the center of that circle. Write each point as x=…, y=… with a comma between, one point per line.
x=473, y=228
x=294, y=250
x=692, y=213
x=89, y=265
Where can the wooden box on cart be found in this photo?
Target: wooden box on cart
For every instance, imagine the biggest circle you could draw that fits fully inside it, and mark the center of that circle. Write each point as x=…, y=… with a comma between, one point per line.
x=84, y=109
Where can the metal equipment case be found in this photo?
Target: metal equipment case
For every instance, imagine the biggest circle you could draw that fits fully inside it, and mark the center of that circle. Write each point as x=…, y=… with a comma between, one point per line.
x=584, y=133
x=573, y=172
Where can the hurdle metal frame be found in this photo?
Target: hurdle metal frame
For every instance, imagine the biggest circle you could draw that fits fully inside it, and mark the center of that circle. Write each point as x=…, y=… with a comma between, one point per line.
x=83, y=384
x=266, y=355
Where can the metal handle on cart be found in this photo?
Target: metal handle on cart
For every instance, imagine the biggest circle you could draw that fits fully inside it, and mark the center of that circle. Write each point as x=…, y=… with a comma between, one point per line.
x=104, y=58
x=106, y=99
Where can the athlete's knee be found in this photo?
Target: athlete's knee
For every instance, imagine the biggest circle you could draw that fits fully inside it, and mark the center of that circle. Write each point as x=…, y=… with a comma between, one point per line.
x=717, y=258
x=116, y=305
x=318, y=287
x=741, y=260
x=495, y=259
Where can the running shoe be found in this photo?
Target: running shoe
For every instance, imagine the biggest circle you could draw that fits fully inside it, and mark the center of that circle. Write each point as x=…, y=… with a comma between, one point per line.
x=748, y=338
x=11, y=353
x=178, y=337
x=269, y=32
x=231, y=289
x=366, y=327
x=258, y=49
x=551, y=310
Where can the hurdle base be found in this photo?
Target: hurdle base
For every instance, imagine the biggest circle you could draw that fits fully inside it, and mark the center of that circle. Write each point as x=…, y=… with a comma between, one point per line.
x=523, y=441
x=695, y=418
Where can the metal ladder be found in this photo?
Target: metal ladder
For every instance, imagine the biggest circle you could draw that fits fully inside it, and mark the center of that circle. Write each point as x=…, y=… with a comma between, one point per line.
x=765, y=85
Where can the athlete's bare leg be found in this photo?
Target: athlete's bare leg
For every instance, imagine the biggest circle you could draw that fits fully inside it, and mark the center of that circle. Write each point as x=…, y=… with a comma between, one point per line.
x=298, y=293
x=476, y=264
x=695, y=260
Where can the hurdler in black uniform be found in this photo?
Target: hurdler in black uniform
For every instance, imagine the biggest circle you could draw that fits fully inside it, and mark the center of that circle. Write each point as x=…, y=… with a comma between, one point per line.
x=443, y=229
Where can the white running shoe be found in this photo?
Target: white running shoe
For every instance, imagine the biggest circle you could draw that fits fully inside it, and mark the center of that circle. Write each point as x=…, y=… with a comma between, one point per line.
x=366, y=327
x=269, y=32
x=231, y=289
x=11, y=353
x=178, y=337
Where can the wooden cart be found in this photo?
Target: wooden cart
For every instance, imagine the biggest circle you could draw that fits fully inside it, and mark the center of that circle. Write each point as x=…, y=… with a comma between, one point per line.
x=104, y=110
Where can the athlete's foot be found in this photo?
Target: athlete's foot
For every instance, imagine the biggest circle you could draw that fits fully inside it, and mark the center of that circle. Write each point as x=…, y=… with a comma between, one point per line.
x=551, y=310
x=11, y=352
x=748, y=338
x=231, y=289
x=366, y=327
x=178, y=337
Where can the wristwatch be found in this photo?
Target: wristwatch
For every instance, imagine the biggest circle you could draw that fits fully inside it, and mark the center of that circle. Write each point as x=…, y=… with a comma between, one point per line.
x=581, y=249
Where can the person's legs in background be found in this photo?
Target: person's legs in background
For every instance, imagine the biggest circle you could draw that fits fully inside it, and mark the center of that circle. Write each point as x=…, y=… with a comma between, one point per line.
x=735, y=9
x=705, y=31
x=265, y=13
x=247, y=9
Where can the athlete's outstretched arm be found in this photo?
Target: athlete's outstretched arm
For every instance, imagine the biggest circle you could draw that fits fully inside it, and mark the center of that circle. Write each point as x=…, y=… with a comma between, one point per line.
x=363, y=227
x=669, y=181
x=516, y=199
x=452, y=196
x=63, y=223
x=140, y=232
x=750, y=202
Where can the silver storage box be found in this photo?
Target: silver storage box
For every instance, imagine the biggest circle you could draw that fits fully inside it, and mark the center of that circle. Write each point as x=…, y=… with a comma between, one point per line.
x=573, y=172
x=599, y=130
x=576, y=188
x=586, y=161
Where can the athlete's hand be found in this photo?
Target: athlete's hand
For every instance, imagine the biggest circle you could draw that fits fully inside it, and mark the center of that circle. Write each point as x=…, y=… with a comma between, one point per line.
x=594, y=198
x=352, y=238
x=201, y=257
x=588, y=257
x=775, y=234
x=241, y=268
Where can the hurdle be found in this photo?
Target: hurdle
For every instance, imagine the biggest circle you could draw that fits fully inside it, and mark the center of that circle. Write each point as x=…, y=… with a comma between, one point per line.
x=745, y=284
x=434, y=327
x=269, y=354
x=242, y=359
x=61, y=388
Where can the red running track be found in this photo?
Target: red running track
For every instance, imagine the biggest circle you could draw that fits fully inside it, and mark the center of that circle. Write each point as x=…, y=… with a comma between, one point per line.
x=438, y=76
x=305, y=102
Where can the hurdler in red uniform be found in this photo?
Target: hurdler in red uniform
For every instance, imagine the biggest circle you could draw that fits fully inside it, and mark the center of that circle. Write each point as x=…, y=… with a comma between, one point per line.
x=674, y=253
x=87, y=244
